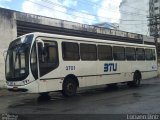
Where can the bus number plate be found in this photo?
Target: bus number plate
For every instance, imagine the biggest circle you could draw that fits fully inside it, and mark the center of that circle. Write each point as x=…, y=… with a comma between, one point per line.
x=70, y=67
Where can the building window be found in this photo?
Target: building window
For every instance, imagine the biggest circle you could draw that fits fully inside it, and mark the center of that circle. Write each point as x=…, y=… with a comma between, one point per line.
x=156, y=8
x=88, y=51
x=155, y=1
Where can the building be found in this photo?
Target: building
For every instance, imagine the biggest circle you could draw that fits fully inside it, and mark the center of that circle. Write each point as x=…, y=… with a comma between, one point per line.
x=134, y=16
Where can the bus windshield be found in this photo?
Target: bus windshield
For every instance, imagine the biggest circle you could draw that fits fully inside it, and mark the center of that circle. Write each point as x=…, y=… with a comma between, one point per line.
x=17, y=59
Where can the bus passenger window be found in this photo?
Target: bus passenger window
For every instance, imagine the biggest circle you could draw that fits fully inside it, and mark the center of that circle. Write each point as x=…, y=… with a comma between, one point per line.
x=140, y=54
x=70, y=51
x=88, y=52
x=148, y=54
x=118, y=53
x=104, y=52
x=153, y=54
x=130, y=53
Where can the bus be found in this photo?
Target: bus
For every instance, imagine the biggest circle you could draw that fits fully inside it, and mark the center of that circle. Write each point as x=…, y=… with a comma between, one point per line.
x=42, y=63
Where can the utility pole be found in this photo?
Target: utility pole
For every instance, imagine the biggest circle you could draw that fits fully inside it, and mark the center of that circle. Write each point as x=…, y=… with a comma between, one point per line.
x=153, y=21
x=156, y=36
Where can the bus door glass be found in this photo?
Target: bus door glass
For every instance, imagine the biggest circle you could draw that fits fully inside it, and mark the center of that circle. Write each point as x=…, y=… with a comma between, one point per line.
x=48, y=57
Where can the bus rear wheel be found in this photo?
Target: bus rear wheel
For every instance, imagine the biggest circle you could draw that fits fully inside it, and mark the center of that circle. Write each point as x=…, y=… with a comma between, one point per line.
x=136, y=80
x=69, y=87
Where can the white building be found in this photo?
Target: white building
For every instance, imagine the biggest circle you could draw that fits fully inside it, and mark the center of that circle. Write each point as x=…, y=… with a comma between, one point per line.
x=134, y=16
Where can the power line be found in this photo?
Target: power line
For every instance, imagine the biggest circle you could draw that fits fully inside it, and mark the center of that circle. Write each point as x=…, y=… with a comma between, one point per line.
x=113, y=10
x=93, y=3
x=58, y=10
x=52, y=3
x=77, y=11
x=136, y=24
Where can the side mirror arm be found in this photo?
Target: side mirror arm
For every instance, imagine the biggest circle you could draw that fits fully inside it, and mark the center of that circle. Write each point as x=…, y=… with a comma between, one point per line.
x=41, y=42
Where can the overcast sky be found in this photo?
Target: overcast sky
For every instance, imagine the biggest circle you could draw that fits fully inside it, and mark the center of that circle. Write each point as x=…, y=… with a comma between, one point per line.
x=82, y=11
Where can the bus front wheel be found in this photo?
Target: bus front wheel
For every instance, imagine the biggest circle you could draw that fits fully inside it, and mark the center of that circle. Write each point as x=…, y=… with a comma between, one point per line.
x=69, y=87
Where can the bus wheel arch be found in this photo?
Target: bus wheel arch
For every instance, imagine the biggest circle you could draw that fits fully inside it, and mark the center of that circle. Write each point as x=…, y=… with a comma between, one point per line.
x=137, y=72
x=70, y=85
x=137, y=76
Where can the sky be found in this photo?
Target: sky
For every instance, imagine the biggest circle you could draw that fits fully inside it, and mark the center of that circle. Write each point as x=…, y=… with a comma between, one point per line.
x=81, y=11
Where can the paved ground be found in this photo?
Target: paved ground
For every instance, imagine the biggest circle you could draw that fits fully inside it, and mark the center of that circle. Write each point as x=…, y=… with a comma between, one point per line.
x=102, y=100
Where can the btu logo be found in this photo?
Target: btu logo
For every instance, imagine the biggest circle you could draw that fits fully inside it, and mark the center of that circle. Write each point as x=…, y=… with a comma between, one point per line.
x=109, y=67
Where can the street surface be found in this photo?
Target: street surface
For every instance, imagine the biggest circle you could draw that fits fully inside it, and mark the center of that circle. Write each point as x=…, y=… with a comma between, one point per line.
x=99, y=100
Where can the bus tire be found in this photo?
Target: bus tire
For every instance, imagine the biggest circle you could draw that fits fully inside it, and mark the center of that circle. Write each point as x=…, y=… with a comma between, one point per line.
x=136, y=80
x=112, y=86
x=69, y=87
x=44, y=96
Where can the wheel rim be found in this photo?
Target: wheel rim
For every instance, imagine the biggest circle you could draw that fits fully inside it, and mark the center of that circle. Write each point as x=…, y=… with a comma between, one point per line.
x=70, y=88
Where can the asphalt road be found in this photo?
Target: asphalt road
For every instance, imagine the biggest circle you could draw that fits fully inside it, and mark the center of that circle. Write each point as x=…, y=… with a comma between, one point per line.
x=90, y=102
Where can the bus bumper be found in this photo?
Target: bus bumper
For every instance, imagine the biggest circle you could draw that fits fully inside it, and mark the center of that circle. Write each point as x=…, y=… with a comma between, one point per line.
x=29, y=88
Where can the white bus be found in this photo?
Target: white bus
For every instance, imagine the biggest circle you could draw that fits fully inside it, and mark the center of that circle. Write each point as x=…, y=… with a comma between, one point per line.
x=41, y=63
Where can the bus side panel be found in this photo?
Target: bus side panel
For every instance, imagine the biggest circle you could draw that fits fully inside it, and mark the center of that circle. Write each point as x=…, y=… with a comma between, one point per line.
x=151, y=70
x=113, y=72
x=84, y=71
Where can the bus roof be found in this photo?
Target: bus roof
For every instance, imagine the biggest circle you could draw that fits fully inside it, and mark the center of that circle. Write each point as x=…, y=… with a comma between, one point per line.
x=36, y=34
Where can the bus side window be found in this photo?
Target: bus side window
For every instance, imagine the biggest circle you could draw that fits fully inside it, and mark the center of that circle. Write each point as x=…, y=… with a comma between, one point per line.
x=104, y=52
x=130, y=53
x=118, y=53
x=153, y=54
x=140, y=54
x=148, y=54
x=70, y=51
x=88, y=52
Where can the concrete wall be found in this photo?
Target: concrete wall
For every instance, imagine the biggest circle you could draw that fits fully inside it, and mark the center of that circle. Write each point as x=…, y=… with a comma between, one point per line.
x=72, y=25
x=8, y=32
